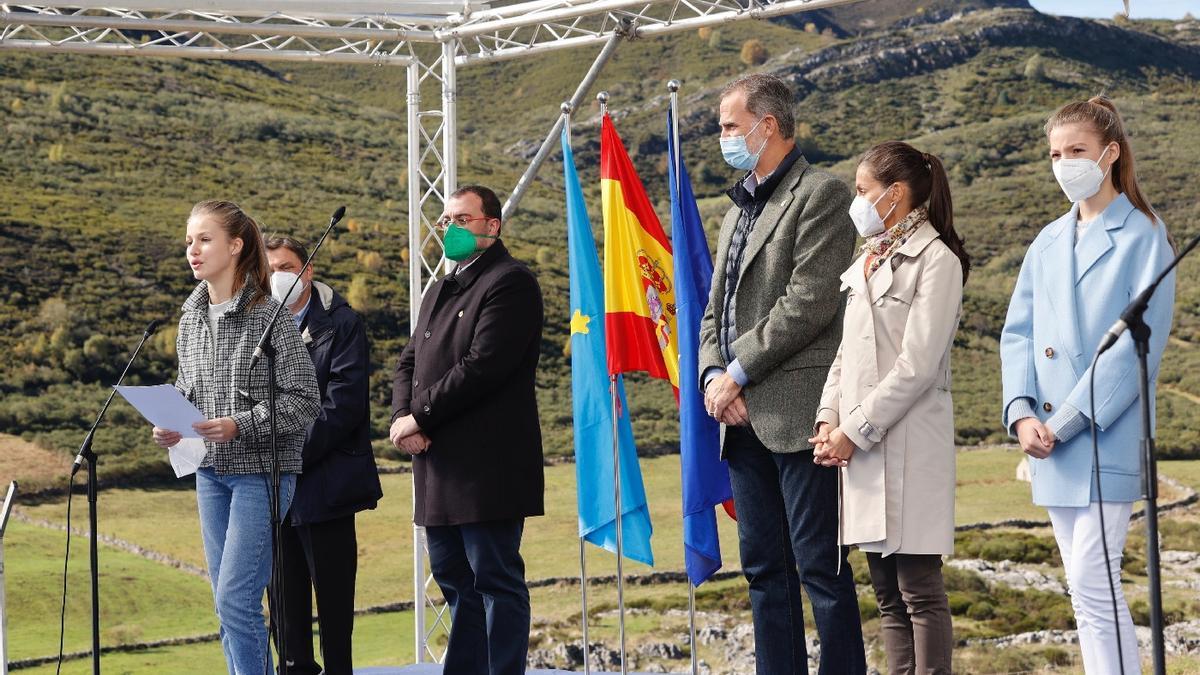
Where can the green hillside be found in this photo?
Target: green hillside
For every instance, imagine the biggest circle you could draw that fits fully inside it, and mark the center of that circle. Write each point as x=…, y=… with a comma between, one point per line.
x=102, y=158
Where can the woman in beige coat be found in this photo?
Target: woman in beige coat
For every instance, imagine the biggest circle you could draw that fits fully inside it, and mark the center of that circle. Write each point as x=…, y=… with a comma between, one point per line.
x=886, y=418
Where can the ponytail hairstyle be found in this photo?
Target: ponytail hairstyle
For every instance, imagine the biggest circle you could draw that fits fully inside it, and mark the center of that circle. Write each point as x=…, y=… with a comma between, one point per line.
x=1101, y=115
x=893, y=162
x=252, y=265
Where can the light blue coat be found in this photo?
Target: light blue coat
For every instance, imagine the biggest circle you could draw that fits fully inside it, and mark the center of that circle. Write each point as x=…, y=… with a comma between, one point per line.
x=1066, y=298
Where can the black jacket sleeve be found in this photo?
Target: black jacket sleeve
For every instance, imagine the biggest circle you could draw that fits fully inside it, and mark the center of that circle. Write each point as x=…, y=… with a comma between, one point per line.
x=344, y=403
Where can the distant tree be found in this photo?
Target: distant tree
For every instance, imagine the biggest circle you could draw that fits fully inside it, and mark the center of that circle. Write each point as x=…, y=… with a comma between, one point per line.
x=705, y=32
x=810, y=27
x=359, y=293
x=17, y=105
x=714, y=39
x=370, y=260
x=55, y=153
x=53, y=314
x=99, y=348
x=1035, y=68
x=754, y=53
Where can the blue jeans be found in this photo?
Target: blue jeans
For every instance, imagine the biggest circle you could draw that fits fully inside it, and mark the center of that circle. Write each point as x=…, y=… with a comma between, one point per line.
x=235, y=522
x=787, y=534
x=479, y=568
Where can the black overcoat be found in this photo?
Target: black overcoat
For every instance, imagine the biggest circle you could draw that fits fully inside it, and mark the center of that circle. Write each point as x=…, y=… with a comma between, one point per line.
x=467, y=376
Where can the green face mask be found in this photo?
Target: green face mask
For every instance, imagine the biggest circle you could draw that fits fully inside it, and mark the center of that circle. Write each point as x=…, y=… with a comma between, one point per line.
x=462, y=243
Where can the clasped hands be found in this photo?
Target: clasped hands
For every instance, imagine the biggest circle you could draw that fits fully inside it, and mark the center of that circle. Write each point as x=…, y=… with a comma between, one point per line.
x=407, y=436
x=831, y=448
x=724, y=402
x=1035, y=438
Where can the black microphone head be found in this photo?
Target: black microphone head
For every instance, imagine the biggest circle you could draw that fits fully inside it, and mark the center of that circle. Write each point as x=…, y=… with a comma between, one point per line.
x=153, y=327
x=337, y=215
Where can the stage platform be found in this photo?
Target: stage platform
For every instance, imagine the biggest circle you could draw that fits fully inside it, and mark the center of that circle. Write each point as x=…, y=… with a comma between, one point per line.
x=435, y=669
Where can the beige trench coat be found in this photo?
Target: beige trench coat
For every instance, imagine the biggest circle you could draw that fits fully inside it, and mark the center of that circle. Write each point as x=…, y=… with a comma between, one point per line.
x=889, y=392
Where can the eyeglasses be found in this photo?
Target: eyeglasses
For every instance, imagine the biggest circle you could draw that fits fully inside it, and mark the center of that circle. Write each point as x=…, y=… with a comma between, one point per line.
x=461, y=220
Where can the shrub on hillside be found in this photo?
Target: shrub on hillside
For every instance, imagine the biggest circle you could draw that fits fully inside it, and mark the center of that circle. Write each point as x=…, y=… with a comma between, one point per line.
x=754, y=53
x=1035, y=68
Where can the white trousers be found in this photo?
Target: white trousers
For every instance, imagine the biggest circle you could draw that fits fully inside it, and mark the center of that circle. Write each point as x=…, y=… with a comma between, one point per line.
x=1077, y=530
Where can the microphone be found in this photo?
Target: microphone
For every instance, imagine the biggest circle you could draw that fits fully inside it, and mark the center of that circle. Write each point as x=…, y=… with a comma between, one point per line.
x=151, y=328
x=1132, y=316
x=86, y=447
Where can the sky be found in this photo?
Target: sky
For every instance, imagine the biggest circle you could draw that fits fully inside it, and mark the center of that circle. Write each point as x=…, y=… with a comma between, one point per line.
x=1105, y=9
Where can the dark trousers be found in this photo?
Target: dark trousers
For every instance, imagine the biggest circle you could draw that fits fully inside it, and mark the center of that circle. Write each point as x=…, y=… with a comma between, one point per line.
x=321, y=556
x=915, y=613
x=479, y=568
x=787, y=531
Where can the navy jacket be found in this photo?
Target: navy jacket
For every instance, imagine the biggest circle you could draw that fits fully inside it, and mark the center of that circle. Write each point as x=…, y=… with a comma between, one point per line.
x=339, y=476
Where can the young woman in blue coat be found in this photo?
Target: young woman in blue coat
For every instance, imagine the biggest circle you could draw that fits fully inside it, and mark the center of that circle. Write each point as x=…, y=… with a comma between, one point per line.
x=1078, y=275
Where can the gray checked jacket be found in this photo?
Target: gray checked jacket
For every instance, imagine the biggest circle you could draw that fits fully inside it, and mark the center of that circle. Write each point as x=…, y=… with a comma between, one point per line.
x=211, y=381
x=789, y=306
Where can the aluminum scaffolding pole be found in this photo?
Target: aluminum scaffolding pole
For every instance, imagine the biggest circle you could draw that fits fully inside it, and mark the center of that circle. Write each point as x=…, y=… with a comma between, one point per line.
x=543, y=152
x=4, y=512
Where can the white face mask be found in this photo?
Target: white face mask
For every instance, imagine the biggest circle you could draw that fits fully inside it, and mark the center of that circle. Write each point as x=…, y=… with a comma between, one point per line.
x=866, y=218
x=1080, y=178
x=281, y=282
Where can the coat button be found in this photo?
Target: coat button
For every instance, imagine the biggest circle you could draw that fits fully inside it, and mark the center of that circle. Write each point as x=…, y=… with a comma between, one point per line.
x=1045, y=406
x=427, y=334
x=1049, y=352
x=460, y=313
x=416, y=382
x=426, y=408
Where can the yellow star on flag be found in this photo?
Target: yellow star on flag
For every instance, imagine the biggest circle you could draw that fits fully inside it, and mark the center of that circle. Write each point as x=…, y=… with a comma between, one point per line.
x=579, y=323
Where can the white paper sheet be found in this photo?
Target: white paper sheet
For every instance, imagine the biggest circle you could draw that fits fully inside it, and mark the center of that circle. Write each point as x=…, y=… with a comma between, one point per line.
x=186, y=456
x=163, y=406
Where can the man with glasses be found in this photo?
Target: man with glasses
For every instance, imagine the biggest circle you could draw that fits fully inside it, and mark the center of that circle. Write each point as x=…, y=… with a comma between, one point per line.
x=464, y=406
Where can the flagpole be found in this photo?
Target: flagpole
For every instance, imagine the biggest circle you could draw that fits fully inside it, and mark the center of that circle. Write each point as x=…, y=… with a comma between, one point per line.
x=602, y=97
x=612, y=385
x=673, y=87
x=567, y=108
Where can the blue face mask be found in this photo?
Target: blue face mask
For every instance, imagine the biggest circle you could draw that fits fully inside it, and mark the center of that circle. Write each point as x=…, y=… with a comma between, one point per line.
x=737, y=154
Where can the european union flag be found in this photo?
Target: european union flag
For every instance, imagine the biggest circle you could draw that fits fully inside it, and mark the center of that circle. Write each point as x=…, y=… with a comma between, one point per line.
x=705, y=475
x=591, y=400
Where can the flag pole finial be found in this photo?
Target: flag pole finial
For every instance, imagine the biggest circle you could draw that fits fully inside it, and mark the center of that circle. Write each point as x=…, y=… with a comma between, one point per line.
x=602, y=97
x=673, y=86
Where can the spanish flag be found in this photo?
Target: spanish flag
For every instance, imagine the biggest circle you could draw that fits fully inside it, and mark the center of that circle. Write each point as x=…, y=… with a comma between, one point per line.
x=639, y=289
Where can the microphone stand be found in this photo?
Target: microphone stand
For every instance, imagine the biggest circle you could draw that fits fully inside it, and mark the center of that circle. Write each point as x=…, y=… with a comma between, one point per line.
x=87, y=455
x=265, y=350
x=1139, y=330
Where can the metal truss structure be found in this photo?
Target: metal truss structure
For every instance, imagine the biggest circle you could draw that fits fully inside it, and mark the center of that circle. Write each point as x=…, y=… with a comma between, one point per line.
x=430, y=38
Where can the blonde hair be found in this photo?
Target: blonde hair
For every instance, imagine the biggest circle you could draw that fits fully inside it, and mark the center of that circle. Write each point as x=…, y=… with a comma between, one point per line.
x=1101, y=115
x=252, y=261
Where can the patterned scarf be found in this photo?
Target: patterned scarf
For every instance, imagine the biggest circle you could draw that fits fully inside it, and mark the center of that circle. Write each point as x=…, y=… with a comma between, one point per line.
x=884, y=244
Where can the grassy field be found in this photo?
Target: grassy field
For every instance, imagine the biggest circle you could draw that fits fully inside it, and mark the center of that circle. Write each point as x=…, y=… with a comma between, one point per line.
x=988, y=491
x=140, y=600
x=145, y=601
